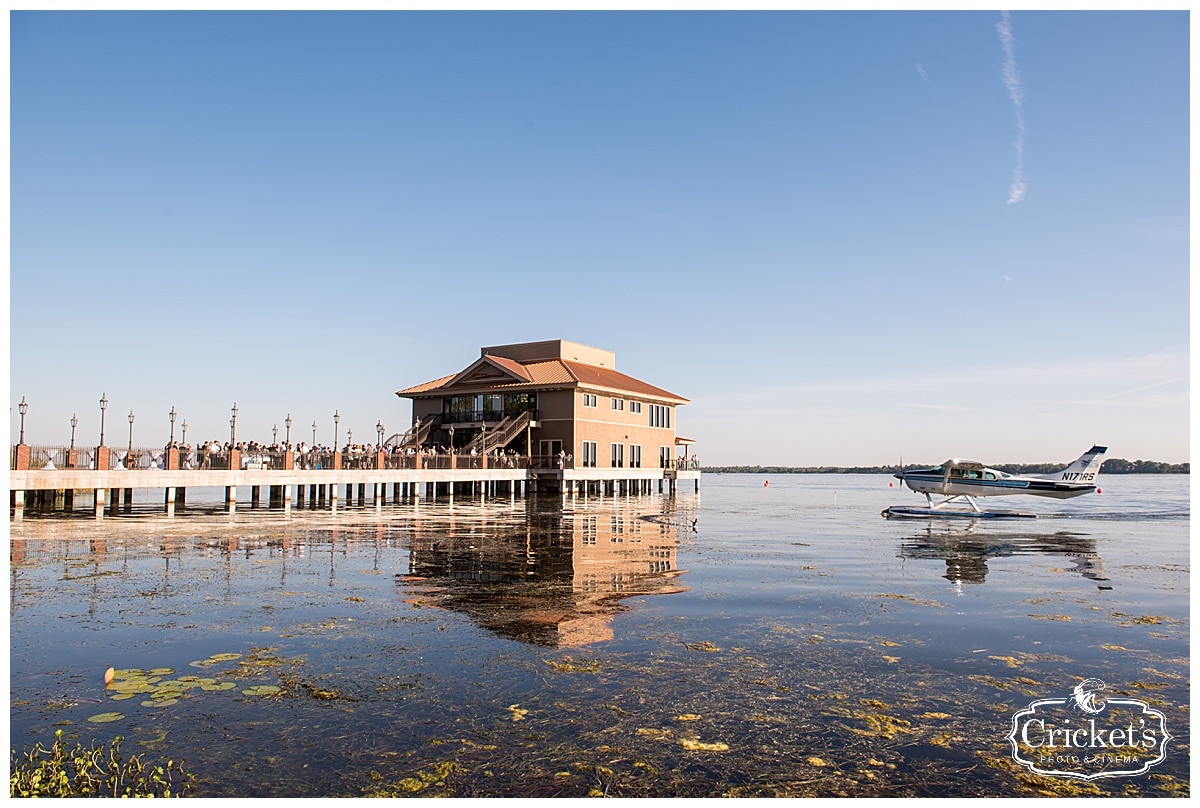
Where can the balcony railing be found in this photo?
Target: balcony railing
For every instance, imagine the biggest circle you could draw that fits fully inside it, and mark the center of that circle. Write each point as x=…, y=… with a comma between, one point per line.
x=478, y=416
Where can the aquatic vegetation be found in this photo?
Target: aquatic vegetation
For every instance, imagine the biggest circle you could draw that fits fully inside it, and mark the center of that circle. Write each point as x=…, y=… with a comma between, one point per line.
x=126, y=683
x=570, y=666
x=262, y=690
x=105, y=718
x=694, y=745
x=95, y=771
x=434, y=776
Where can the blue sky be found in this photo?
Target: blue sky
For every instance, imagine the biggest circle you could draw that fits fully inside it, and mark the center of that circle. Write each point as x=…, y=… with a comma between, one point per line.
x=846, y=237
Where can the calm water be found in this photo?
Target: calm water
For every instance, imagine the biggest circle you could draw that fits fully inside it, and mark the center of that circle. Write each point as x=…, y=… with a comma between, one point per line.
x=754, y=639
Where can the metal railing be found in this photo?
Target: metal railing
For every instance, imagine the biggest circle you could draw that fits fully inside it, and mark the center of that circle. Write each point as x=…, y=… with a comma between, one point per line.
x=142, y=458
x=551, y=462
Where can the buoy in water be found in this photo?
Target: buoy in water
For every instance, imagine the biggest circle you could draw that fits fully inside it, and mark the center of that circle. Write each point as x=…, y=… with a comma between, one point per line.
x=765, y=483
x=108, y=675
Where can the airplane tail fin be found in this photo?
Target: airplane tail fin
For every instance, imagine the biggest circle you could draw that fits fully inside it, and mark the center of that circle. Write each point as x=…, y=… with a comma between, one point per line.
x=1083, y=470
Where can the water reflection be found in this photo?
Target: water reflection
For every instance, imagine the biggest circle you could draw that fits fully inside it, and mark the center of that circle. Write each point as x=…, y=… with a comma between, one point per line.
x=966, y=551
x=557, y=581
x=545, y=571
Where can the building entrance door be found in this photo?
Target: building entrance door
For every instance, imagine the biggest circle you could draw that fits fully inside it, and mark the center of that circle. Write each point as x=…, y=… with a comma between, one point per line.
x=549, y=449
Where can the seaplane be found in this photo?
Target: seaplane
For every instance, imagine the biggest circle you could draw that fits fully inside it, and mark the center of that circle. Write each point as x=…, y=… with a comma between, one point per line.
x=961, y=481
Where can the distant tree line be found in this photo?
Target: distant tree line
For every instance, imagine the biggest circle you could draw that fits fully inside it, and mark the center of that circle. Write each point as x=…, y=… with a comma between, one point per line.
x=1113, y=465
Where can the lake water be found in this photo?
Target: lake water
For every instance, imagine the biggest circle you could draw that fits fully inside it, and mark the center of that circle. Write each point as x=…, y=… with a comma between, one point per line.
x=768, y=636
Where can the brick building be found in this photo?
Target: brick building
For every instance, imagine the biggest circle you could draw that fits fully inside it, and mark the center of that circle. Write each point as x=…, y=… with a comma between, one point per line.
x=565, y=401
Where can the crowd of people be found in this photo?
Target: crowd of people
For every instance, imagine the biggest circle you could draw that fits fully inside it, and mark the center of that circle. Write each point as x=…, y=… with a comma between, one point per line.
x=253, y=455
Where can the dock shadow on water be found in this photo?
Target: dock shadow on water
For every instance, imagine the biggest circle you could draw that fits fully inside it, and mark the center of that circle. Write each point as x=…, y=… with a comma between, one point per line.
x=748, y=641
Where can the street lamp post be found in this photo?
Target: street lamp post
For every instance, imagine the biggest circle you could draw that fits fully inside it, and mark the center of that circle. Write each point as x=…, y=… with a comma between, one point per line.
x=233, y=427
x=74, y=423
x=130, y=448
x=24, y=408
x=287, y=422
x=172, y=415
x=184, y=438
x=379, y=429
x=103, y=407
x=451, y=440
x=336, y=418
x=314, y=433
x=274, y=434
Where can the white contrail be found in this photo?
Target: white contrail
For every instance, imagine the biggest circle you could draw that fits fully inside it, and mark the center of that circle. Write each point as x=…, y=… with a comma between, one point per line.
x=1012, y=80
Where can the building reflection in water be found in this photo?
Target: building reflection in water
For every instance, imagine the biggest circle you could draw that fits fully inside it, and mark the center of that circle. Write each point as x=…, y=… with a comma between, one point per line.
x=966, y=552
x=548, y=571
x=557, y=580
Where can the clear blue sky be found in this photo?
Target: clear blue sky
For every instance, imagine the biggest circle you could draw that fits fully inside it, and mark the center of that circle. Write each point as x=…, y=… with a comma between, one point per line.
x=846, y=237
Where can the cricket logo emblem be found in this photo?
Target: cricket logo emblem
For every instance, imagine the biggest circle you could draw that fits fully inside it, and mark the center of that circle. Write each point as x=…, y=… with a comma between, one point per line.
x=1087, y=736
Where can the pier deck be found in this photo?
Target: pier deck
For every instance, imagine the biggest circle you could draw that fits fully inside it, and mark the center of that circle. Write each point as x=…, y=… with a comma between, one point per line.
x=106, y=487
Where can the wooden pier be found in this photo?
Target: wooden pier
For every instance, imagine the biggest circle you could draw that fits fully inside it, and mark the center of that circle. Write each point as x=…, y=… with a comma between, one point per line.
x=110, y=488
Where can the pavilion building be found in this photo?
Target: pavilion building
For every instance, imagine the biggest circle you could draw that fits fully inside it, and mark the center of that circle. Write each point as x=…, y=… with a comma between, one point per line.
x=562, y=404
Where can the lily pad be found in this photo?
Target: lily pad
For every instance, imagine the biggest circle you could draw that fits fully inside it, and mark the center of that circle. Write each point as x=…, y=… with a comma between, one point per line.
x=219, y=686
x=225, y=657
x=122, y=696
x=160, y=671
x=159, y=702
x=104, y=718
x=261, y=690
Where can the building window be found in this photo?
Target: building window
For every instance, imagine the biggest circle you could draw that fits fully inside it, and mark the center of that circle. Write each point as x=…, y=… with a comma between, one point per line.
x=589, y=400
x=589, y=454
x=618, y=455
x=635, y=406
x=635, y=456
x=660, y=416
x=618, y=403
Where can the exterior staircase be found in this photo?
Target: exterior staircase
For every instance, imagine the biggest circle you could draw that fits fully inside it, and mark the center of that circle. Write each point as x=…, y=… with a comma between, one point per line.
x=416, y=435
x=499, y=435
